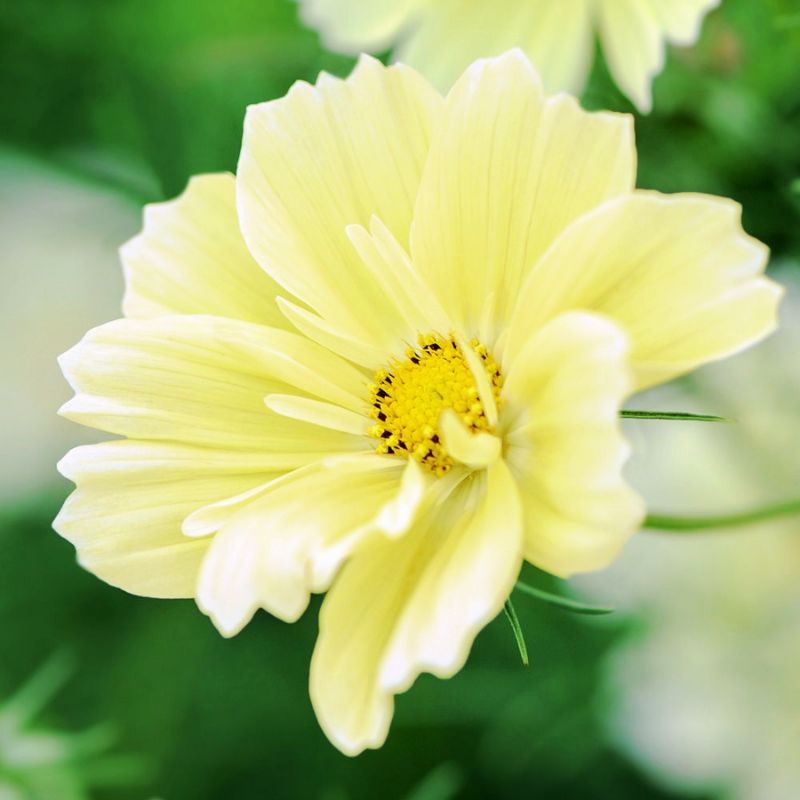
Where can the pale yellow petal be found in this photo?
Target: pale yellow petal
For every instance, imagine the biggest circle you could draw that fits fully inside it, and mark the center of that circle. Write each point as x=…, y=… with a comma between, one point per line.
x=409, y=306
x=318, y=412
x=742, y=316
x=125, y=515
x=203, y=380
x=476, y=450
x=469, y=573
x=429, y=593
x=507, y=172
x=190, y=258
x=290, y=540
x=451, y=34
x=355, y=26
x=325, y=157
x=633, y=33
x=481, y=377
x=633, y=46
x=560, y=42
x=562, y=399
x=681, y=20
x=416, y=308
x=676, y=271
x=396, y=516
x=214, y=516
x=329, y=336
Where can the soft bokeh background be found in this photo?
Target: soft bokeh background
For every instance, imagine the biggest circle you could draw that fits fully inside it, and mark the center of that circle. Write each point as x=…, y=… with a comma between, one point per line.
x=691, y=690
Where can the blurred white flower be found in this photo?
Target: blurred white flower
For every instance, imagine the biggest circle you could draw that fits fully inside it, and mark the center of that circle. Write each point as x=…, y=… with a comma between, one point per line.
x=441, y=37
x=60, y=275
x=707, y=695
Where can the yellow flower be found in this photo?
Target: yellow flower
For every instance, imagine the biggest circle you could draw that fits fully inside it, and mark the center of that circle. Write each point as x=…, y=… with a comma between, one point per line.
x=467, y=289
x=441, y=37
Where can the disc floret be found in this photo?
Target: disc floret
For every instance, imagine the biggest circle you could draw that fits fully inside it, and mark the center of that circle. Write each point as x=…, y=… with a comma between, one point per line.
x=408, y=397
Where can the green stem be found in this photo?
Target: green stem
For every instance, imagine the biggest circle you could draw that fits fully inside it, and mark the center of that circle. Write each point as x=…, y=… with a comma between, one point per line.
x=681, y=416
x=669, y=523
x=519, y=636
x=561, y=602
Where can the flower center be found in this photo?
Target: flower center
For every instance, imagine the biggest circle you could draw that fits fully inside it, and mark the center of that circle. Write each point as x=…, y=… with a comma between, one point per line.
x=408, y=398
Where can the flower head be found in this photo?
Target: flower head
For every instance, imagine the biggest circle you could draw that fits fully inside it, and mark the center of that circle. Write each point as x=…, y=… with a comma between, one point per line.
x=441, y=37
x=387, y=359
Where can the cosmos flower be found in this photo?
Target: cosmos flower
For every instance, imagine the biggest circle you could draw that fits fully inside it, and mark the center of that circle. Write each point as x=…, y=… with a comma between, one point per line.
x=441, y=37
x=387, y=359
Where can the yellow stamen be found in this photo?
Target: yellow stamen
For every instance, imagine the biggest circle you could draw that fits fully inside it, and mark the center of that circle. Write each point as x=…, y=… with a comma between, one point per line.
x=408, y=398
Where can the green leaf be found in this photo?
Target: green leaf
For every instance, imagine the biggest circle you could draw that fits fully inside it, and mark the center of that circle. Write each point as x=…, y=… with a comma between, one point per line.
x=519, y=636
x=681, y=416
x=563, y=603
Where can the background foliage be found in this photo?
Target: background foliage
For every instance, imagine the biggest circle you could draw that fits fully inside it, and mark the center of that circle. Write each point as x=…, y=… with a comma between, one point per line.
x=129, y=98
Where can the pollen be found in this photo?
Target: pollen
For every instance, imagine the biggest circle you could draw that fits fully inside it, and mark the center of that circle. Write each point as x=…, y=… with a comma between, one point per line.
x=408, y=397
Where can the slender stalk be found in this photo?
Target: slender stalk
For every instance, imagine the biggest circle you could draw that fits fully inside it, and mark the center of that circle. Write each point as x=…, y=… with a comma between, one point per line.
x=519, y=636
x=562, y=602
x=667, y=522
x=681, y=416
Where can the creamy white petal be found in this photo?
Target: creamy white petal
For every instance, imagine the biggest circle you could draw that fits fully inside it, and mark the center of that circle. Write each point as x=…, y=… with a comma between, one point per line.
x=325, y=157
x=633, y=33
x=560, y=42
x=507, y=172
x=203, y=380
x=273, y=551
x=562, y=398
x=441, y=38
x=190, y=258
x=125, y=515
x=451, y=34
x=681, y=20
x=415, y=604
x=676, y=271
x=356, y=26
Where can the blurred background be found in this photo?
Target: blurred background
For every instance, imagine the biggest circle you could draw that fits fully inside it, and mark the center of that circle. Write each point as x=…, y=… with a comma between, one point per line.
x=692, y=689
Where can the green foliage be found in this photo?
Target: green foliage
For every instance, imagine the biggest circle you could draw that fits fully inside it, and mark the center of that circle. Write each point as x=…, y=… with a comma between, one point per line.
x=42, y=763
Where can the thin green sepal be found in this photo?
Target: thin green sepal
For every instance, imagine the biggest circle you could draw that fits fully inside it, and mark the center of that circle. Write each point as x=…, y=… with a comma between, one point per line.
x=675, y=416
x=563, y=603
x=519, y=636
